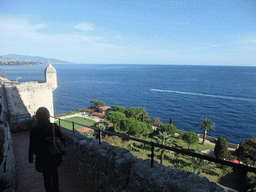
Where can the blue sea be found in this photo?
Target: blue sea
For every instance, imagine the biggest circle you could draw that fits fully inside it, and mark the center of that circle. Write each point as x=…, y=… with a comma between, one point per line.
x=225, y=94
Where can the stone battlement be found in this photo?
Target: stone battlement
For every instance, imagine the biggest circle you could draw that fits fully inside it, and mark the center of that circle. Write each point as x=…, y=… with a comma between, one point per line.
x=116, y=169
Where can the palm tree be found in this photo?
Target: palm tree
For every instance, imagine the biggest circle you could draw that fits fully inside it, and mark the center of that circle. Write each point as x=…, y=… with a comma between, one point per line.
x=206, y=124
x=164, y=139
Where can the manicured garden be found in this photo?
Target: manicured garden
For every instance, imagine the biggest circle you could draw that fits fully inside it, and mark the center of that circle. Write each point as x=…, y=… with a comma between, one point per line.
x=135, y=122
x=177, y=161
x=80, y=120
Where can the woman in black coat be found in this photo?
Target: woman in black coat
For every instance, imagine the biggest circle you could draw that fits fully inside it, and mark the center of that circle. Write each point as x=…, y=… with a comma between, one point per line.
x=45, y=162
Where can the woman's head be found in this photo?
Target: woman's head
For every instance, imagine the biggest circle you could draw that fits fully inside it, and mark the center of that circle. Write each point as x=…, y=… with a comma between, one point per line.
x=42, y=114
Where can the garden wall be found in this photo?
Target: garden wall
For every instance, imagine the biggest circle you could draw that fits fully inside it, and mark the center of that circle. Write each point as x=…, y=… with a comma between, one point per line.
x=116, y=169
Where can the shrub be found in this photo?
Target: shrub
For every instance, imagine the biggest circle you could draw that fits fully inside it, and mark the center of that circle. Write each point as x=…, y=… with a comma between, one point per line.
x=247, y=150
x=191, y=138
x=221, y=149
x=169, y=128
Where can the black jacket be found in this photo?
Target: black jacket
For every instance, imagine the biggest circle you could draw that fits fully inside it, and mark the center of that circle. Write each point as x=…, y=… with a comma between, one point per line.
x=38, y=146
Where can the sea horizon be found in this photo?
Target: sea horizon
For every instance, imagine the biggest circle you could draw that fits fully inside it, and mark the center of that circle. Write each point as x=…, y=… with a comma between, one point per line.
x=225, y=94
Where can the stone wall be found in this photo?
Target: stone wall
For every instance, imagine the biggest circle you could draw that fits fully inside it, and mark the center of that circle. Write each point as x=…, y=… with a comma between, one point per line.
x=17, y=114
x=8, y=178
x=116, y=169
x=35, y=95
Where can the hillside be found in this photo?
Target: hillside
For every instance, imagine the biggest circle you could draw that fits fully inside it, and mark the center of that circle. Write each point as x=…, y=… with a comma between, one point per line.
x=13, y=59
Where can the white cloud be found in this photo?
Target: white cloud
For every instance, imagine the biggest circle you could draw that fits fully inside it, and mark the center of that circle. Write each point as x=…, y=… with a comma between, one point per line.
x=18, y=36
x=85, y=26
x=19, y=25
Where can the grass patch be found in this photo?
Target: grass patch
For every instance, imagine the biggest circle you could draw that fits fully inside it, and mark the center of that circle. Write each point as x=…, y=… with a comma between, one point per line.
x=68, y=113
x=80, y=120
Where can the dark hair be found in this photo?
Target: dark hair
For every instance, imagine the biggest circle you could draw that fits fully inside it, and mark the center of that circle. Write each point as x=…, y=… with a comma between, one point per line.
x=42, y=114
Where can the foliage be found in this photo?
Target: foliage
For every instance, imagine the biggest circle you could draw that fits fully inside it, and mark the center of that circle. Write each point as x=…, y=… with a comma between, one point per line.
x=191, y=138
x=169, y=128
x=221, y=149
x=164, y=139
x=90, y=134
x=133, y=112
x=247, y=150
x=131, y=146
x=115, y=116
x=205, y=125
x=102, y=127
x=97, y=103
x=197, y=164
x=225, y=170
x=149, y=128
x=138, y=113
x=156, y=122
x=132, y=126
x=118, y=108
x=171, y=120
x=144, y=116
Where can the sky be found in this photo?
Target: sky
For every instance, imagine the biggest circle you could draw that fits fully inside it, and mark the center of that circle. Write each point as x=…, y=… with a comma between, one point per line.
x=191, y=32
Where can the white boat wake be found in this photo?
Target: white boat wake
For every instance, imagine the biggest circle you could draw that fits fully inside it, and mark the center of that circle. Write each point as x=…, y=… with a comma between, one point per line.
x=205, y=95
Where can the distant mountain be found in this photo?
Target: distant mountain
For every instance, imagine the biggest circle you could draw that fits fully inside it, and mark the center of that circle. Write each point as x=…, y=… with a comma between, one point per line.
x=33, y=59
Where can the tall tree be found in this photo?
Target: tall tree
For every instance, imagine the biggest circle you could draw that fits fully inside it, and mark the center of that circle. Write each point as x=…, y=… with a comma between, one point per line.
x=171, y=120
x=164, y=139
x=221, y=148
x=206, y=124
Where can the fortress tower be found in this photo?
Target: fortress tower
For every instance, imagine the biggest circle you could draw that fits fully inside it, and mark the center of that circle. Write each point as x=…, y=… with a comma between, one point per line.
x=51, y=76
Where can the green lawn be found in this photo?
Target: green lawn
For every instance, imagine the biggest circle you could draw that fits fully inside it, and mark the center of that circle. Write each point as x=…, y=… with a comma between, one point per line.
x=80, y=120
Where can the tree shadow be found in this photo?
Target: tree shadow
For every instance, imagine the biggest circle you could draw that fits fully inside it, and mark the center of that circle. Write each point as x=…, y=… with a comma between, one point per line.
x=210, y=171
x=234, y=180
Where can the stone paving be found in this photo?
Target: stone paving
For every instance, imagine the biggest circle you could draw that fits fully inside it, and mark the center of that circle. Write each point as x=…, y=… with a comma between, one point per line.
x=30, y=180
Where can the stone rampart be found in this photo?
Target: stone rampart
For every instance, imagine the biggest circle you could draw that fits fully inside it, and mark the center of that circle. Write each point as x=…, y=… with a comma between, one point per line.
x=8, y=176
x=116, y=169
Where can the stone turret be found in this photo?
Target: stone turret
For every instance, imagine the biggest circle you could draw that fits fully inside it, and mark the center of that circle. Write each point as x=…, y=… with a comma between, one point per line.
x=51, y=76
